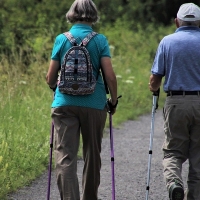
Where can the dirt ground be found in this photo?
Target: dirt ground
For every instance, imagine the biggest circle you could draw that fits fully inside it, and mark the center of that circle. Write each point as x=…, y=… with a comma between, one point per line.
x=131, y=153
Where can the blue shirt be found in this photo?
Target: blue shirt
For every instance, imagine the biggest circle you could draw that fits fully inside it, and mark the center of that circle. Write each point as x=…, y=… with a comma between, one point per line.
x=98, y=47
x=178, y=59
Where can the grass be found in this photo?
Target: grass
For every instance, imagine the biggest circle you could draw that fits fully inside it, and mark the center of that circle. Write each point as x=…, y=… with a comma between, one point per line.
x=26, y=99
x=24, y=130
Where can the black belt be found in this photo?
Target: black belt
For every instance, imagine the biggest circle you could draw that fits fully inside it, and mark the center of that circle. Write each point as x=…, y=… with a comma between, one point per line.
x=171, y=93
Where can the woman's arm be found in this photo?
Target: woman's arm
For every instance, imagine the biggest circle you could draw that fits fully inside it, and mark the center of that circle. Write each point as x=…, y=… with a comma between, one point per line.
x=52, y=74
x=110, y=78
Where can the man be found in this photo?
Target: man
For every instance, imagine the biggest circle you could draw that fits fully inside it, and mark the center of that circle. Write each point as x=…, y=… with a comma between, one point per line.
x=178, y=60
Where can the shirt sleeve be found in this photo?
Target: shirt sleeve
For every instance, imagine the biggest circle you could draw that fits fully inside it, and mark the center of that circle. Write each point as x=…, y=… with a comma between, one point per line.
x=105, y=50
x=158, y=67
x=56, y=51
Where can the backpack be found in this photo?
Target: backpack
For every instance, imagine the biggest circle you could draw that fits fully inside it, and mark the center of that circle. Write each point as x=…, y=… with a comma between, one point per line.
x=76, y=74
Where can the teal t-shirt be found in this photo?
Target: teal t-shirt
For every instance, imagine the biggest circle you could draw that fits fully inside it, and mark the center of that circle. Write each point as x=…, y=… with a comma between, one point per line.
x=98, y=47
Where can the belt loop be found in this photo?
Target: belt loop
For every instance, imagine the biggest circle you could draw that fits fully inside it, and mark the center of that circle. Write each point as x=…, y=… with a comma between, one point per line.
x=170, y=92
x=198, y=93
x=184, y=93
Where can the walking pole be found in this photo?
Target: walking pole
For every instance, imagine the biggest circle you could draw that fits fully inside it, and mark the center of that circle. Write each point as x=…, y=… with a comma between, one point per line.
x=112, y=157
x=154, y=107
x=50, y=157
x=112, y=147
x=50, y=161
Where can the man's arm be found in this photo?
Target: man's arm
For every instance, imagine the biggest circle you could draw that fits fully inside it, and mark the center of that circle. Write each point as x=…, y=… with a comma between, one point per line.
x=154, y=82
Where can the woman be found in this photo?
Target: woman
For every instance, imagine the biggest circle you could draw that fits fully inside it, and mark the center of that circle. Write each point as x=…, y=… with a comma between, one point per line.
x=85, y=114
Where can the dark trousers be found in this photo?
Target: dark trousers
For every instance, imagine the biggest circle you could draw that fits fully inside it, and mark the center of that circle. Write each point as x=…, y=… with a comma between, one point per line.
x=69, y=122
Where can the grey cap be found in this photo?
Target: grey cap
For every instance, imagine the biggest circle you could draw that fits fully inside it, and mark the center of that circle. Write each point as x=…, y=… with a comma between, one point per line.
x=189, y=12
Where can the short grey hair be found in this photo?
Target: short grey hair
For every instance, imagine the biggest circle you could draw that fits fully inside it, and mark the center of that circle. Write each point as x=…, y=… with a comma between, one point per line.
x=82, y=10
x=188, y=23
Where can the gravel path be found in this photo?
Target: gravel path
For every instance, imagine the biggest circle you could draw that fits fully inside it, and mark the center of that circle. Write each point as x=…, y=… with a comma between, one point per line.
x=131, y=147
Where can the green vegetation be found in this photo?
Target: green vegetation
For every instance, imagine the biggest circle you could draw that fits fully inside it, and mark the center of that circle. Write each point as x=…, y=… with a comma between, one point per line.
x=28, y=29
x=24, y=128
x=133, y=54
x=29, y=26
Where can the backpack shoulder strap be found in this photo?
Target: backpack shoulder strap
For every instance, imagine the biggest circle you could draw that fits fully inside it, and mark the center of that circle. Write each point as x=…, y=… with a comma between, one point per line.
x=88, y=38
x=70, y=37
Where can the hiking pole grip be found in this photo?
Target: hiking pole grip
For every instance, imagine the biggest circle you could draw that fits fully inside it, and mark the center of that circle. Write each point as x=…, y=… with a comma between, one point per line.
x=110, y=107
x=156, y=94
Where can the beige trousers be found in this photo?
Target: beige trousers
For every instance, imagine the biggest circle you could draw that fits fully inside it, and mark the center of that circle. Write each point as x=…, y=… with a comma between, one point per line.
x=69, y=122
x=182, y=142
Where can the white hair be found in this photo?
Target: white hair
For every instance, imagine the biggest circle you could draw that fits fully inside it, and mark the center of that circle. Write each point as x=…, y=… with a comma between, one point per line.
x=188, y=23
x=82, y=10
